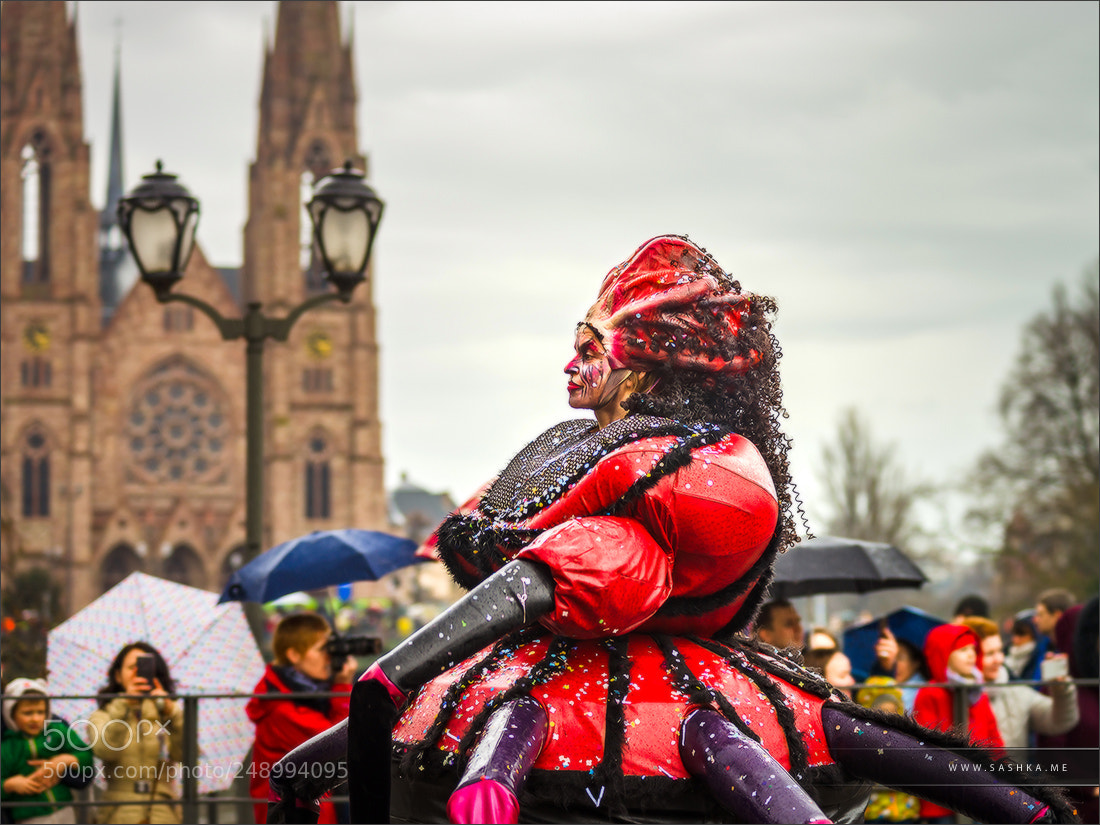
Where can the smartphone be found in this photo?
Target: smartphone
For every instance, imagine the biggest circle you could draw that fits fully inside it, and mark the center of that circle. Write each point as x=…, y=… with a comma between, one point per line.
x=1053, y=668
x=147, y=668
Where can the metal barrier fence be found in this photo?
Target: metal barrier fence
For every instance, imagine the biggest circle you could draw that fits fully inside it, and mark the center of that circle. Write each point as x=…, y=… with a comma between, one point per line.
x=193, y=804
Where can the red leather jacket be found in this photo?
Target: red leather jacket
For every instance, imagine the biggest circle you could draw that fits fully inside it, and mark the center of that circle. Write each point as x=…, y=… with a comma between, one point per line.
x=677, y=559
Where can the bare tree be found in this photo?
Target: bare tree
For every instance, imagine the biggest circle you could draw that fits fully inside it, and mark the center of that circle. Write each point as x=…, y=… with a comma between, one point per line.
x=867, y=492
x=1041, y=487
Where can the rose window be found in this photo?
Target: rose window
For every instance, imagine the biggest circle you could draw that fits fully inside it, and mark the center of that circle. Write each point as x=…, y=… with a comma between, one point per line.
x=178, y=429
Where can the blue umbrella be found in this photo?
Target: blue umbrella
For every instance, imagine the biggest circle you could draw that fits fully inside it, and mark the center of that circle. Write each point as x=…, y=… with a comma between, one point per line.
x=321, y=559
x=908, y=623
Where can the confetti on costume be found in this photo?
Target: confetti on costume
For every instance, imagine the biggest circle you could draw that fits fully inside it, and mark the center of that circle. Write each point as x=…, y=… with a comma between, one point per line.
x=594, y=670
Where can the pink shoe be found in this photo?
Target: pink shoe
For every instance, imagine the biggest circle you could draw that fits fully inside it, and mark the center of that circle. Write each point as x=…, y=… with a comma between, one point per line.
x=485, y=801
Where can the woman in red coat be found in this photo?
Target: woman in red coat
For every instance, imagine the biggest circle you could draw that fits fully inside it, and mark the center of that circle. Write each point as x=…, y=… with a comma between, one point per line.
x=302, y=665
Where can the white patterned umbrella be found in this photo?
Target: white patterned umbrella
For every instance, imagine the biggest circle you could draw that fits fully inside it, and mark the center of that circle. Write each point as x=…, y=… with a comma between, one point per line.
x=209, y=649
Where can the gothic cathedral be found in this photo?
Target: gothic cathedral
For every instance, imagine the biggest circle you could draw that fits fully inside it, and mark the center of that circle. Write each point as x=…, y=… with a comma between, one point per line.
x=121, y=419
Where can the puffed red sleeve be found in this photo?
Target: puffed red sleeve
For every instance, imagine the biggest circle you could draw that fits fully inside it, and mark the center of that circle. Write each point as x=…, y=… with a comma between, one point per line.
x=609, y=575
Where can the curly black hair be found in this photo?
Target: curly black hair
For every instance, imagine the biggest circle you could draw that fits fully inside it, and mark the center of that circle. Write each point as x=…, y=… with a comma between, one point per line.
x=749, y=403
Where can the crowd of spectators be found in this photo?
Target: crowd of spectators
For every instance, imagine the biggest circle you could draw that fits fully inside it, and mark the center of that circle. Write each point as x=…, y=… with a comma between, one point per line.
x=1017, y=678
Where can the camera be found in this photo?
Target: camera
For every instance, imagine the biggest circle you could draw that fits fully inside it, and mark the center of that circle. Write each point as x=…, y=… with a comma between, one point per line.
x=340, y=647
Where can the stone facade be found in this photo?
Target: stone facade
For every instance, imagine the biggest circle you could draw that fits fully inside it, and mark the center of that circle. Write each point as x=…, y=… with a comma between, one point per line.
x=123, y=431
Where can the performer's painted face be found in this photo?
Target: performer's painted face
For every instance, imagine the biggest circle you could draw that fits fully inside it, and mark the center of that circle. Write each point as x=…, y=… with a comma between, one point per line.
x=593, y=382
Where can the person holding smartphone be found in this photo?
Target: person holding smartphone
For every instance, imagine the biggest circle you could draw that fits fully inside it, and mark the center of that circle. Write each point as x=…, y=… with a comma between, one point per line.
x=139, y=736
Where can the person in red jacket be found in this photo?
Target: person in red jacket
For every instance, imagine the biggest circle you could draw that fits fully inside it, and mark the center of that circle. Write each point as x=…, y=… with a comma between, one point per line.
x=302, y=665
x=954, y=655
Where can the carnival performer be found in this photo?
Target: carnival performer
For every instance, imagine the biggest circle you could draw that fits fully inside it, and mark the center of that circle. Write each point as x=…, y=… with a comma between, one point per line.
x=595, y=669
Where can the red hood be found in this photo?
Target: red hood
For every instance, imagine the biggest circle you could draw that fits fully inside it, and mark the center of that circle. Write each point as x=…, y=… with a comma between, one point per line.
x=940, y=643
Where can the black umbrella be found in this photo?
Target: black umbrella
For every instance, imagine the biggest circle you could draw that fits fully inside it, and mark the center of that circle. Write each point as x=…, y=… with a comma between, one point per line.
x=827, y=564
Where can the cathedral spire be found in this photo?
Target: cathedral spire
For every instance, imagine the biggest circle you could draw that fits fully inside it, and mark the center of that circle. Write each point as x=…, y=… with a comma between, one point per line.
x=307, y=128
x=116, y=271
x=308, y=84
x=114, y=170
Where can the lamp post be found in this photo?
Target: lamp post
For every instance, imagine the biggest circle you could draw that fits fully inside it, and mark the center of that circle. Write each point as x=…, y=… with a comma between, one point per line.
x=159, y=218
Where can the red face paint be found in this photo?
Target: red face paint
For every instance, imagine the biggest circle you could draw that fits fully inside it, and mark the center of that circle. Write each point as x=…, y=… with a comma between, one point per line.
x=593, y=381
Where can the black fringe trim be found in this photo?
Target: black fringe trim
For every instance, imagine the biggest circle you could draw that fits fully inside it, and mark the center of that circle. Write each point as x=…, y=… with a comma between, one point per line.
x=620, y=434
x=674, y=459
x=415, y=756
x=796, y=746
x=545, y=669
x=701, y=605
x=574, y=792
x=782, y=666
x=699, y=693
x=609, y=773
x=558, y=794
x=467, y=541
x=751, y=606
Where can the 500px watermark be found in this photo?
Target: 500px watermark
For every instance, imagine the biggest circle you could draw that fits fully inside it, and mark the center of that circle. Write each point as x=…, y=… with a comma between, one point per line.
x=173, y=771
x=116, y=735
x=149, y=773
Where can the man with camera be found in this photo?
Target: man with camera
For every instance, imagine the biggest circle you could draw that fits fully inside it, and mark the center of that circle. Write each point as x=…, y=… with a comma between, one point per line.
x=308, y=660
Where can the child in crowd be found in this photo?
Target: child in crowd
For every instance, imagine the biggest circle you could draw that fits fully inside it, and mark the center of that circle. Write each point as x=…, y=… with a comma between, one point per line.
x=954, y=656
x=34, y=760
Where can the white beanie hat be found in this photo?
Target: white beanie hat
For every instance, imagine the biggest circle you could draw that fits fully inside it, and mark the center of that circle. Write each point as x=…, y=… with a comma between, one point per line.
x=15, y=690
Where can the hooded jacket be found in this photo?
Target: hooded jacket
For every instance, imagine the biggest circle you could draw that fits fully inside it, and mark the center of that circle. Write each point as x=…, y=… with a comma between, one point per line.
x=17, y=749
x=934, y=706
x=284, y=724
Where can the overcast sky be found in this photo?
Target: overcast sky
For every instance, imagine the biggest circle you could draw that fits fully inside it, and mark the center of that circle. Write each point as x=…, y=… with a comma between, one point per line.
x=909, y=180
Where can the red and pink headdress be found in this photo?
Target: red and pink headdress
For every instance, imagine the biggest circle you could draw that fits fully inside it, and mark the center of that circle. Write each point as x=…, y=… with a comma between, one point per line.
x=671, y=305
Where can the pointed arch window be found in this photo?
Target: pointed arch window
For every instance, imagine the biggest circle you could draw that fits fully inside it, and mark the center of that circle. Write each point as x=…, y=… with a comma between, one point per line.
x=120, y=562
x=318, y=477
x=36, y=475
x=36, y=372
x=36, y=174
x=184, y=566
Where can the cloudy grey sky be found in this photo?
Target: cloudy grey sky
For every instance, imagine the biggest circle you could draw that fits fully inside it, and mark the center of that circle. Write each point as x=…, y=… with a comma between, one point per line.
x=909, y=180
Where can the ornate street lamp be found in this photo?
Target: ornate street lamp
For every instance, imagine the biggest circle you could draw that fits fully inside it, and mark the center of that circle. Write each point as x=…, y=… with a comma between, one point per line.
x=345, y=214
x=159, y=218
